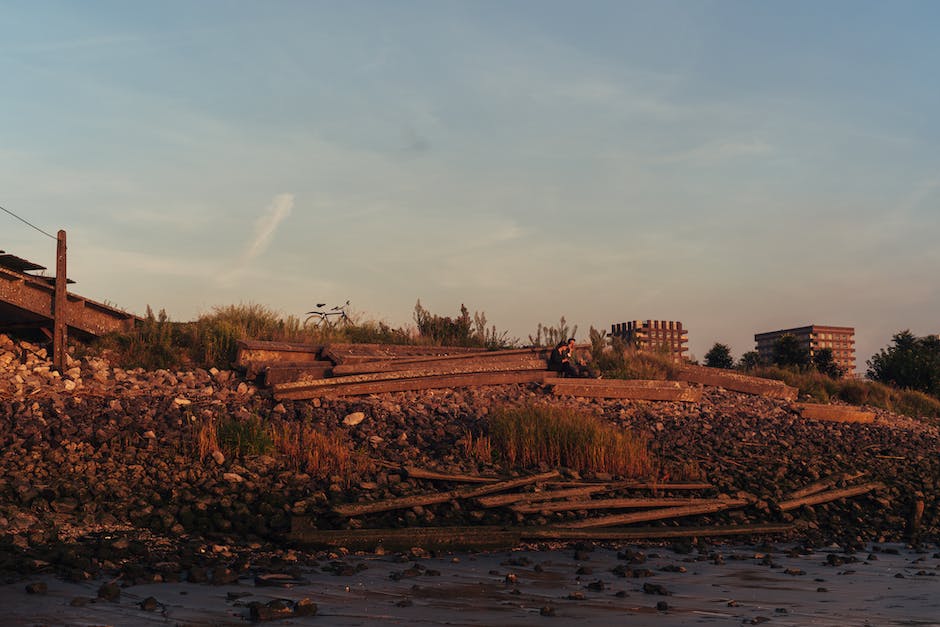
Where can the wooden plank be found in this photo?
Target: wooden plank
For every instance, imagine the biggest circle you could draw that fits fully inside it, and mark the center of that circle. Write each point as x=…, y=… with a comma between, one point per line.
x=829, y=496
x=640, y=485
x=358, y=509
x=341, y=352
x=619, y=503
x=419, y=473
x=823, y=484
x=835, y=413
x=296, y=371
x=388, y=365
x=657, y=514
x=255, y=355
x=500, y=500
x=424, y=383
x=415, y=373
x=626, y=389
x=736, y=382
x=303, y=531
x=613, y=534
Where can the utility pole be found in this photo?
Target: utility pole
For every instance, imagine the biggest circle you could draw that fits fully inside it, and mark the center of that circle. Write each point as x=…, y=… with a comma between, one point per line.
x=60, y=304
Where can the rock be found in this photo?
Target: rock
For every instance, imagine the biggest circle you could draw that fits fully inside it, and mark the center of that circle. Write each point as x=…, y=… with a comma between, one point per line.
x=38, y=587
x=150, y=604
x=353, y=419
x=109, y=592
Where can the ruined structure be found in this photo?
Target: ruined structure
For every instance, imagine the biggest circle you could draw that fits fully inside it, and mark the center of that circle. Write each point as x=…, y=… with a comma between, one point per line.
x=27, y=304
x=655, y=335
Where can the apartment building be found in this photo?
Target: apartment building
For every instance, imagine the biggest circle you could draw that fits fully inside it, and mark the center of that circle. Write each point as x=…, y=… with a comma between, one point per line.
x=655, y=335
x=841, y=340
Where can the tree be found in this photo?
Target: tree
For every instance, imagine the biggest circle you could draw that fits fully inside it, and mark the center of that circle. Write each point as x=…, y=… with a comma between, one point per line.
x=719, y=356
x=912, y=363
x=825, y=364
x=749, y=360
x=789, y=353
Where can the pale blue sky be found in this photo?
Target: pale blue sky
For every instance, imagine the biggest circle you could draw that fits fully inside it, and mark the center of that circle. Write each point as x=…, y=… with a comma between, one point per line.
x=738, y=166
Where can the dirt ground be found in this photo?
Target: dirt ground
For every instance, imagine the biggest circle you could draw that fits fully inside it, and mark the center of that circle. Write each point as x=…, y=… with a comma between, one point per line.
x=723, y=585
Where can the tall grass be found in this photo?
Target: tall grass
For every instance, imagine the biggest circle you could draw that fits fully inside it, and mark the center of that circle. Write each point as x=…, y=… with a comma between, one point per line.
x=621, y=361
x=304, y=448
x=530, y=435
x=297, y=446
x=823, y=389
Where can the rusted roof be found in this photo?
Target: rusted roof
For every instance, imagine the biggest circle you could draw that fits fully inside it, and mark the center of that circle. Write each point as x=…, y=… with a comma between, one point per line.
x=18, y=264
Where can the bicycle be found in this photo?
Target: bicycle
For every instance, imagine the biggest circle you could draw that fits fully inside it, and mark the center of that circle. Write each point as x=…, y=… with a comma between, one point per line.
x=328, y=318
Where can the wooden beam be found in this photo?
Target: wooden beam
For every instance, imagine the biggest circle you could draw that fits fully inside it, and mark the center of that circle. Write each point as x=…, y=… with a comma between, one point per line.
x=736, y=382
x=620, y=503
x=626, y=389
x=358, y=509
x=500, y=500
x=657, y=514
x=59, y=309
x=423, y=383
x=613, y=534
x=304, y=531
x=414, y=373
x=835, y=413
x=829, y=496
x=419, y=473
x=292, y=372
x=387, y=365
x=823, y=484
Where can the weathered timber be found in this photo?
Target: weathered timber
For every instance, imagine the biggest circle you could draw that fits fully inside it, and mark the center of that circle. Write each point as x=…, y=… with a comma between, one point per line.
x=643, y=533
x=657, y=514
x=834, y=413
x=638, y=485
x=423, y=383
x=823, y=484
x=464, y=367
x=499, y=500
x=627, y=389
x=829, y=496
x=341, y=353
x=420, y=473
x=388, y=365
x=255, y=355
x=290, y=372
x=359, y=509
x=621, y=503
x=28, y=301
x=736, y=382
x=304, y=532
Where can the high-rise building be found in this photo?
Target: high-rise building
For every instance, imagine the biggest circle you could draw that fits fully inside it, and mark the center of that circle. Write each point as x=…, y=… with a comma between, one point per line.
x=654, y=335
x=813, y=338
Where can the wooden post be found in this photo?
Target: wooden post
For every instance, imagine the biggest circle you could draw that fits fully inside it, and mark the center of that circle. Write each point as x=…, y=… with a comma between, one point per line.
x=59, y=323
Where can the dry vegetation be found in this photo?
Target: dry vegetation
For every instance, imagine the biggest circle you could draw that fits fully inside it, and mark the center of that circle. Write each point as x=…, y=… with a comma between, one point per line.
x=532, y=435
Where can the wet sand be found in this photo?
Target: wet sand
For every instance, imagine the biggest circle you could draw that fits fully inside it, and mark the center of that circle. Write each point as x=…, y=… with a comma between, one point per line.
x=725, y=585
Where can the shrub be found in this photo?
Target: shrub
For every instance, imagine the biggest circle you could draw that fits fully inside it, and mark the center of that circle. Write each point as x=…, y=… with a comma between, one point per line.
x=247, y=436
x=621, y=361
x=530, y=435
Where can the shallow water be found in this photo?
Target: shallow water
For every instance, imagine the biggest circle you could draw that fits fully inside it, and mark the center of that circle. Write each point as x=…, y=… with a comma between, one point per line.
x=900, y=587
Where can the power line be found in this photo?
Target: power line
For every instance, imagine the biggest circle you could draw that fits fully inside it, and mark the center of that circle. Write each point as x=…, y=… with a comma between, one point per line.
x=28, y=223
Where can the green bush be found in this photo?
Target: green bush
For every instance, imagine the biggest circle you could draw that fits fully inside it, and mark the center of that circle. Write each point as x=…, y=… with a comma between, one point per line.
x=247, y=436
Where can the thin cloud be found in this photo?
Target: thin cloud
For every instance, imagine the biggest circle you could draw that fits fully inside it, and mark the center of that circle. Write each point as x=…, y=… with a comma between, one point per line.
x=275, y=213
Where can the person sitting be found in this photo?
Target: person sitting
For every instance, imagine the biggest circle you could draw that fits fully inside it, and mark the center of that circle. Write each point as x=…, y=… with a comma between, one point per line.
x=560, y=360
x=578, y=366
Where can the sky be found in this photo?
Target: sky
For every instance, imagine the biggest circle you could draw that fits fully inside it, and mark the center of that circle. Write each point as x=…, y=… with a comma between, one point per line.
x=738, y=166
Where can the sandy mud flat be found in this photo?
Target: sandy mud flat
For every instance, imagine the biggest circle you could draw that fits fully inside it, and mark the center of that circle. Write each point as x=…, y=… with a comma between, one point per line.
x=720, y=585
